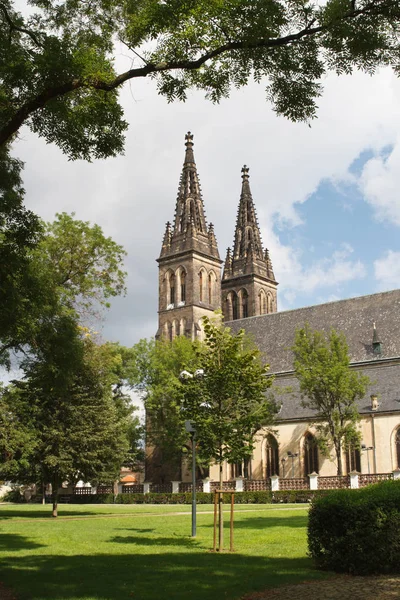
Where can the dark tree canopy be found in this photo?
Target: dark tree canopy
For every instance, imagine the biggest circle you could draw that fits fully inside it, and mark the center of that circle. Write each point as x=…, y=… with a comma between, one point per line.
x=57, y=71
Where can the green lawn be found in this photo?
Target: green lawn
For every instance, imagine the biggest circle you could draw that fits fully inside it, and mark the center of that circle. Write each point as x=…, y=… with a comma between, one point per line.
x=146, y=553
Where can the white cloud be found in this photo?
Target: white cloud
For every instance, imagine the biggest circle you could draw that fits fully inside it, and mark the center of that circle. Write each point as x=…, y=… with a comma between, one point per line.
x=380, y=184
x=325, y=274
x=133, y=196
x=387, y=270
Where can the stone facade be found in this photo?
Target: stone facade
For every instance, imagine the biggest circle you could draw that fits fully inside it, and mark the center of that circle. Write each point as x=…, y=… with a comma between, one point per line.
x=247, y=295
x=189, y=263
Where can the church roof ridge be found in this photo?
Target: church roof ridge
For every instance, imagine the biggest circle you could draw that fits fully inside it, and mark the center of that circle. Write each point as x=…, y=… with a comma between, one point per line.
x=329, y=302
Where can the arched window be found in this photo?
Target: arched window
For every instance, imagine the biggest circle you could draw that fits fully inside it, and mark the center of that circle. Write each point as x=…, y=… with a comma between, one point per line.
x=182, y=326
x=183, y=286
x=353, y=459
x=310, y=455
x=176, y=328
x=236, y=470
x=172, y=289
x=269, y=303
x=235, y=307
x=210, y=289
x=245, y=304
x=397, y=444
x=272, y=456
x=262, y=300
x=229, y=308
x=201, y=283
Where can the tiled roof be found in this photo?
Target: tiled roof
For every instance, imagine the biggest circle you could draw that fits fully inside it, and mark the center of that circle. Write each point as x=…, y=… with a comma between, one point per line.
x=274, y=333
x=385, y=383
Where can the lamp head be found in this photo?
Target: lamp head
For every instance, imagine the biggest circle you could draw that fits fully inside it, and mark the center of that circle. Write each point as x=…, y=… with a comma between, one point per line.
x=185, y=375
x=189, y=426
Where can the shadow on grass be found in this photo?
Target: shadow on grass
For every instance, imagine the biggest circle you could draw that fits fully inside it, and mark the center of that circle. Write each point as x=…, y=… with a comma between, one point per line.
x=139, y=529
x=173, y=576
x=44, y=514
x=160, y=541
x=264, y=522
x=14, y=542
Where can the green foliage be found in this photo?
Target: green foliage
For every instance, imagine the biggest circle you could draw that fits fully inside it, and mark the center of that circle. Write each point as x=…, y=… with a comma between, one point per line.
x=21, y=290
x=154, y=373
x=57, y=71
x=84, y=266
x=65, y=407
x=357, y=531
x=329, y=387
x=229, y=404
x=50, y=272
x=259, y=497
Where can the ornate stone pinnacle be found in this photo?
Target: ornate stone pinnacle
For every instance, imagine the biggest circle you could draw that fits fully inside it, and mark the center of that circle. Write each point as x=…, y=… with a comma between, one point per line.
x=245, y=172
x=189, y=138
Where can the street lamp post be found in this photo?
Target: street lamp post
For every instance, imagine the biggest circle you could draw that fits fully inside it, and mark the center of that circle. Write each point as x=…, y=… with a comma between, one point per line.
x=190, y=427
x=283, y=467
x=367, y=449
x=292, y=455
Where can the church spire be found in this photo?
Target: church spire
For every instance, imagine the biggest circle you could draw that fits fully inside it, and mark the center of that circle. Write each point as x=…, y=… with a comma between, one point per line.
x=248, y=283
x=247, y=234
x=189, y=211
x=189, y=230
x=248, y=254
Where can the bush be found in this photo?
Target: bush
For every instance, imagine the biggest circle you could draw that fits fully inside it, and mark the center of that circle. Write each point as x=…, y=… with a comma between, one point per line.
x=257, y=497
x=13, y=496
x=357, y=531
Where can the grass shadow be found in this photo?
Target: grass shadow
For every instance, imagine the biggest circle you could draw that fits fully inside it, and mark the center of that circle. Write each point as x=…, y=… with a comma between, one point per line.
x=15, y=542
x=44, y=514
x=154, y=541
x=263, y=522
x=174, y=575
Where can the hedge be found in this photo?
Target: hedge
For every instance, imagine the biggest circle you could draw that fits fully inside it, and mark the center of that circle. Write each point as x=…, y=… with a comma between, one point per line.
x=258, y=497
x=357, y=531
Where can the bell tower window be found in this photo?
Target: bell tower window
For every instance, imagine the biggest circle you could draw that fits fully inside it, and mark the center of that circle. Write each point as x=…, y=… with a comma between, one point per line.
x=201, y=285
x=245, y=304
x=183, y=286
x=235, y=314
x=172, y=289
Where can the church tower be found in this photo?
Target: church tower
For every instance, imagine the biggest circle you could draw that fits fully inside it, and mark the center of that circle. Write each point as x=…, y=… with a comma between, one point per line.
x=189, y=263
x=249, y=287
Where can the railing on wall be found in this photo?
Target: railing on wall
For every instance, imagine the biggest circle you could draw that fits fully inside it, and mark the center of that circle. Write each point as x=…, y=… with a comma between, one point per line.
x=312, y=482
x=257, y=485
x=294, y=483
x=334, y=482
x=365, y=479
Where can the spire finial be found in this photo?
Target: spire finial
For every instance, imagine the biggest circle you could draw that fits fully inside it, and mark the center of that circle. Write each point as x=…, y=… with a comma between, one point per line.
x=245, y=173
x=189, y=139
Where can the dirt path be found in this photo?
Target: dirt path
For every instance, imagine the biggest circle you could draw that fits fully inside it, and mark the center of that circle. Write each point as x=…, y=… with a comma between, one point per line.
x=339, y=587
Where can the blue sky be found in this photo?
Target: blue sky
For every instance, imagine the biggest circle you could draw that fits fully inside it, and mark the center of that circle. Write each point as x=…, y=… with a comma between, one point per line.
x=336, y=217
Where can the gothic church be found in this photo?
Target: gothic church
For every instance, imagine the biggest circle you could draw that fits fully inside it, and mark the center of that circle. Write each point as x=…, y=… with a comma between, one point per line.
x=191, y=286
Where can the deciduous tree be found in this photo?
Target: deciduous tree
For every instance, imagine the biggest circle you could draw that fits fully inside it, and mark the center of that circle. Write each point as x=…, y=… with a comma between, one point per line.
x=229, y=404
x=58, y=74
x=73, y=428
x=330, y=388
